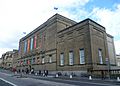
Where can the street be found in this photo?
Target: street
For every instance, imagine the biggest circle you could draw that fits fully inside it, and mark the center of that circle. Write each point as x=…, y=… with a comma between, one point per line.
x=18, y=81
x=8, y=79
x=3, y=83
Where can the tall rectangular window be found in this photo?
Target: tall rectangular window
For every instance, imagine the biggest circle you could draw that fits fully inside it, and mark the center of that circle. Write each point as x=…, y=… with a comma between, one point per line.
x=31, y=44
x=33, y=60
x=28, y=45
x=71, y=58
x=82, y=56
x=28, y=62
x=38, y=60
x=40, y=40
x=118, y=63
x=43, y=60
x=62, y=59
x=50, y=58
x=35, y=41
x=25, y=46
x=100, y=56
x=24, y=62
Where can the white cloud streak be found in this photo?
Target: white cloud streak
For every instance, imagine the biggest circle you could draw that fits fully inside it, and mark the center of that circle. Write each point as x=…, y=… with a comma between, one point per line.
x=18, y=16
x=110, y=19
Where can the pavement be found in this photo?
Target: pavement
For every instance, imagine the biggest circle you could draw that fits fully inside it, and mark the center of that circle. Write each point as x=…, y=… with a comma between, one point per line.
x=51, y=80
x=7, y=79
x=65, y=78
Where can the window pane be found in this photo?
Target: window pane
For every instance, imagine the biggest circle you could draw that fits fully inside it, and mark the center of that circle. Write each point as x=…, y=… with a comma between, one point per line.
x=82, y=56
x=31, y=44
x=50, y=59
x=70, y=58
x=25, y=62
x=33, y=60
x=61, y=59
x=100, y=56
x=25, y=46
x=43, y=60
x=28, y=44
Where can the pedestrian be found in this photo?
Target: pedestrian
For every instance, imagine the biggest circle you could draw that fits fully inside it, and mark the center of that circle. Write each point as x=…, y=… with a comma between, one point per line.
x=46, y=72
x=32, y=71
x=22, y=71
x=27, y=71
x=39, y=72
x=102, y=74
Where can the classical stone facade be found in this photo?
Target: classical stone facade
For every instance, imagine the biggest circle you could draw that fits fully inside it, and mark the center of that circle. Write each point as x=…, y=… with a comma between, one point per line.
x=118, y=60
x=8, y=59
x=88, y=38
x=15, y=58
x=38, y=49
x=63, y=45
x=0, y=62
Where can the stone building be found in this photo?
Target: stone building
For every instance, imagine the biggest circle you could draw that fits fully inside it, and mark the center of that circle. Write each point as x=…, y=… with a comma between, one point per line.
x=84, y=48
x=15, y=58
x=38, y=49
x=8, y=61
x=111, y=49
x=63, y=45
x=118, y=60
x=0, y=62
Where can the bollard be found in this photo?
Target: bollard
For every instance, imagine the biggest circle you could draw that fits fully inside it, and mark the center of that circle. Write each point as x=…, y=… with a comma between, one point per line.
x=15, y=72
x=90, y=78
x=56, y=75
x=44, y=74
x=36, y=74
x=70, y=76
x=118, y=79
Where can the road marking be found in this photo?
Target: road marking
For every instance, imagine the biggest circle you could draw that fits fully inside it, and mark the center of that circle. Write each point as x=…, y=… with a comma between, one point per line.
x=8, y=82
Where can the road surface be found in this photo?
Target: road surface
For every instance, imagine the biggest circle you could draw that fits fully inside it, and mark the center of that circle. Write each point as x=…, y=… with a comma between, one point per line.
x=8, y=79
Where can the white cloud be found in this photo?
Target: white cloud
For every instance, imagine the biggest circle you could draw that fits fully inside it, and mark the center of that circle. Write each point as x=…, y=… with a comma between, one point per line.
x=110, y=19
x=70, y=3
x=18, y=16
x=117, y=44
x=3, y=50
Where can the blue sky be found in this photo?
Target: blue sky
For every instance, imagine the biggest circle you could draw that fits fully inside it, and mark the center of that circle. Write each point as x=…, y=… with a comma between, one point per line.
x=18, y=16
x=102, y=3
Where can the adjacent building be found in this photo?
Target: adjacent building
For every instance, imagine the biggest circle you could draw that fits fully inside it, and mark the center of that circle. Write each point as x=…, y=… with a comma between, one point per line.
x=0, y=62
x=118, y=60
x=8, y=61
x=15, y=59
x=63, y=45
